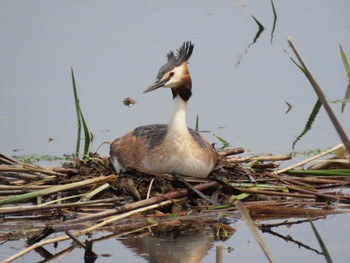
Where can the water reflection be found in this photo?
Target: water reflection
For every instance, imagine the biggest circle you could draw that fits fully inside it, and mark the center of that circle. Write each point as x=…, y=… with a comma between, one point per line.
x=189, y=247
x=267, y=228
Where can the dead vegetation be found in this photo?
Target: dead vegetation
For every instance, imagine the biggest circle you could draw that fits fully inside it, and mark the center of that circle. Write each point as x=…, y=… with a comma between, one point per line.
x=87, y=196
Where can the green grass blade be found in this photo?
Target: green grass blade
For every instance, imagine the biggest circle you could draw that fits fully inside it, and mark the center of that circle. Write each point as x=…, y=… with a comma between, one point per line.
x=345, y=62
x=299, y=66
x=347, y=70
x=346, y=98
x=87, y=135
x=77, y=109
x=309, y=122
x=197, y=123
x=322, y=245
x=224, y=142
x=80, y=120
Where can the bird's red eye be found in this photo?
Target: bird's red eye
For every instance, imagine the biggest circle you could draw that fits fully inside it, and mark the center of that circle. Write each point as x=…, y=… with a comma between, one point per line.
x=171, y=74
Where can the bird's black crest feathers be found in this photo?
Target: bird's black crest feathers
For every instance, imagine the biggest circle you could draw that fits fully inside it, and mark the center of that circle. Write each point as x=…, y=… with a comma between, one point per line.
x=183, y=54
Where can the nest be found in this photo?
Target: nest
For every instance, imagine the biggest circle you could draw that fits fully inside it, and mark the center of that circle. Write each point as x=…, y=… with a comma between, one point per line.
x=87, y=195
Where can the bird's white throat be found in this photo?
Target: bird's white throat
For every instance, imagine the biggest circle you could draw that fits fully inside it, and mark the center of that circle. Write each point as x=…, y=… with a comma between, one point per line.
x=177, y=122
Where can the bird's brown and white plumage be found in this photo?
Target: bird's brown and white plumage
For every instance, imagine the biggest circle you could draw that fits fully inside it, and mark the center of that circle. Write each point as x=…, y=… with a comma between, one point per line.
x=172, y=148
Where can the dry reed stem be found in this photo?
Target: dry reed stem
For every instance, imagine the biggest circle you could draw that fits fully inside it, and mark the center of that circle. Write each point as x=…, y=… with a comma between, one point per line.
x=29, y=168
x=322, y=98
x=259, y=158
x=94, y=192
x=24, y=187
x=330, y=197
x=251, y=225
x=219, y=254
x=229, y=152
x=56, y=189
x=308, y=160
x=49, y=206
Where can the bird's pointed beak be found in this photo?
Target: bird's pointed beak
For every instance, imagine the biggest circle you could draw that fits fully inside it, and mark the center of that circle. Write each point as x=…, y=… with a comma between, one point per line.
x=157, y=84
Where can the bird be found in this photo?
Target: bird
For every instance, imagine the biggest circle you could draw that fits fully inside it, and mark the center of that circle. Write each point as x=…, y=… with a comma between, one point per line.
x=168, y=148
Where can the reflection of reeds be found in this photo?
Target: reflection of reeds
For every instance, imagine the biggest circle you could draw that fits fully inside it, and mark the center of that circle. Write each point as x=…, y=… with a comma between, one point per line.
x=261, y=28
x=274, y=19
x=80, y=120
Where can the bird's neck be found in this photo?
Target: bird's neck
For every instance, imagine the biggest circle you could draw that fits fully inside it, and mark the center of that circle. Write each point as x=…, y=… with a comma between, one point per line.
x=177, y=122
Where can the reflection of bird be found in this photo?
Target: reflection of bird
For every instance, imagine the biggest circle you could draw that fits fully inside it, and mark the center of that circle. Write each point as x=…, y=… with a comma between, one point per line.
x=171, y=148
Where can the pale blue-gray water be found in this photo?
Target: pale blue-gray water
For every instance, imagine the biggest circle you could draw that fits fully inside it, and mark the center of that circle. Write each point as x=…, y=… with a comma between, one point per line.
x=239, y=90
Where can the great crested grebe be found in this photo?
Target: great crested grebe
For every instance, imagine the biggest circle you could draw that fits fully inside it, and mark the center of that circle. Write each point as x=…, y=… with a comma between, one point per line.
x=172, y=148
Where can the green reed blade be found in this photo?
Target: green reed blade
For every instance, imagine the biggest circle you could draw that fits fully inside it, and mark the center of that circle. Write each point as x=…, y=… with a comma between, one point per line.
x=345, y=62
x=331, y=172
x=309, y=122
x=80, y=120
x=347, y=70
x=87, y=136
x=224, y=142
x=77, y=109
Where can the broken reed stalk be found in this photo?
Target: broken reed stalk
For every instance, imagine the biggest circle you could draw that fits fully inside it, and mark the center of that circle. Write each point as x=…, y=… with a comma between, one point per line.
x=322, y=99
x=308, y=160
x=90, y=229
x=219, y=254
x=75, y=239
x=251, y=225
x=94, y=192
x=229, y=152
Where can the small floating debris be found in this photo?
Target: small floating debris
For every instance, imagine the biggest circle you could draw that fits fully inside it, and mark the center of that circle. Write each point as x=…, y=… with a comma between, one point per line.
x=289, y=107
x=129, y=101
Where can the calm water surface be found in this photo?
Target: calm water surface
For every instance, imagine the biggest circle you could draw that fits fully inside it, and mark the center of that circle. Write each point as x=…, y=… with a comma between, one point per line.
x=240, y=90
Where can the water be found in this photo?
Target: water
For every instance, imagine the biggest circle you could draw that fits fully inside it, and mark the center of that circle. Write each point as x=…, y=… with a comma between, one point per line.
x=117, y=47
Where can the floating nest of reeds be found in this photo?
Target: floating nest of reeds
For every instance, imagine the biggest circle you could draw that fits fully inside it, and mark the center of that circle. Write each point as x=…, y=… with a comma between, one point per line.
x=87, y=195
